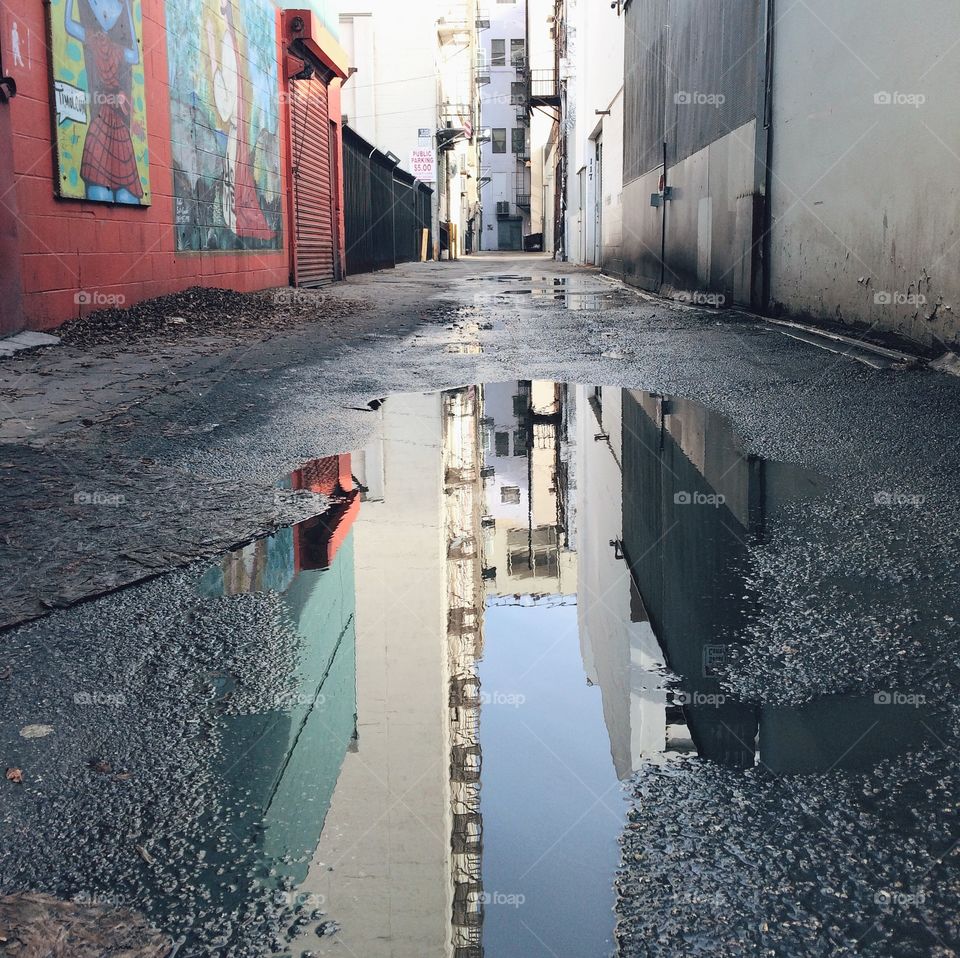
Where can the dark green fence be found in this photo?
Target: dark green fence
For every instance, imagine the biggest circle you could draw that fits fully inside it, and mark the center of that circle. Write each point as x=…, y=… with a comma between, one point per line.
x=385, y=208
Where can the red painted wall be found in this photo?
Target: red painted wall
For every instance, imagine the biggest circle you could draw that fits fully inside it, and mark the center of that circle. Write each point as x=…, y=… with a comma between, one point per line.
x=68, y=245
x=11, y=311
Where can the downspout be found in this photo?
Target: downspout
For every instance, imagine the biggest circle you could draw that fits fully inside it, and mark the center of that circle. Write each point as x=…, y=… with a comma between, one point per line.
x=767, y=220
x=663, y=222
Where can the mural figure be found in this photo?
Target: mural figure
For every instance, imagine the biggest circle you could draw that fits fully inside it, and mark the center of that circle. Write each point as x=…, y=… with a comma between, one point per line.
x=238, y=196
x=109, y=165
x=15, y=45
x=225, y=124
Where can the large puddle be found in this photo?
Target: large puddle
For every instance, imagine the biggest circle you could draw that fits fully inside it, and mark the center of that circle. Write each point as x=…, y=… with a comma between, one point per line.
x=406, y=727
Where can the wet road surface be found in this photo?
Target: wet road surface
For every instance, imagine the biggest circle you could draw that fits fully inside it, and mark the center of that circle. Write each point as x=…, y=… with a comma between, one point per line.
x=282, y=750
x=424, y=719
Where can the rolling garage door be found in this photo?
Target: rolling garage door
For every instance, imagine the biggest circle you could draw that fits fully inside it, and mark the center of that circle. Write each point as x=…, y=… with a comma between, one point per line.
x=312, y=163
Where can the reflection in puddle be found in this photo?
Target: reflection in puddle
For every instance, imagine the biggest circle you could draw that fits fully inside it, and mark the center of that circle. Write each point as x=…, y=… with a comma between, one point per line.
x=529, y=587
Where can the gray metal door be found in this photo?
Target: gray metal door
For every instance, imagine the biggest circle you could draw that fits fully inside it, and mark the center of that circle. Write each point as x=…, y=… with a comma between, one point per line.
x=510, y=234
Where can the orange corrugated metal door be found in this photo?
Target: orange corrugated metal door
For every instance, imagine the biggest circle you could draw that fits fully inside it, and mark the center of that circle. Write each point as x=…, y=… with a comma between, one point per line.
x=312, y=183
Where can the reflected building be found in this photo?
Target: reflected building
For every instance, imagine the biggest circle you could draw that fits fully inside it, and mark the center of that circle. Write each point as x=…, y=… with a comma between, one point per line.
x=530, y=521
x=463, y=510
x=399, y=861
x=280, y=763
x=670, y=507
x=621, y=652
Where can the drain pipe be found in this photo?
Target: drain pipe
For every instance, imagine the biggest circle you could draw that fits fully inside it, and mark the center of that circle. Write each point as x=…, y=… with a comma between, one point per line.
x=767, y=222
x=663, y=223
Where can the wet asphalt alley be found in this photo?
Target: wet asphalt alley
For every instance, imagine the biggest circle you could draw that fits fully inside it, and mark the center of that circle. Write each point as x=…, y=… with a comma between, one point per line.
x=686, y=584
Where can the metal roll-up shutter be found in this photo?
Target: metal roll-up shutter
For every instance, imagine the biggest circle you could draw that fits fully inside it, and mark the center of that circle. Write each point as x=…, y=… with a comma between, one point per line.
x=313, y=211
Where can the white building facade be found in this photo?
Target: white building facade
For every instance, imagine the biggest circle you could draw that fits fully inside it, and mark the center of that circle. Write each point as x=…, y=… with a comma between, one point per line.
x=505, y=174
x=594, y=81
x=415, y=88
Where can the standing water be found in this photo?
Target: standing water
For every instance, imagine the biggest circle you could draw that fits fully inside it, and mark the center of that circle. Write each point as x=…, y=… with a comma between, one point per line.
x=523, y=689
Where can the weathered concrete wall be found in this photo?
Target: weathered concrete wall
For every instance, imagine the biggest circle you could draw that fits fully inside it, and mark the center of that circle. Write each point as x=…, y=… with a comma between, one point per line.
x=693, y=89
x=642, y=232
x=611, y=190
x=599, y=87
x=711, y=224
x=710, y=220
x=866, y=194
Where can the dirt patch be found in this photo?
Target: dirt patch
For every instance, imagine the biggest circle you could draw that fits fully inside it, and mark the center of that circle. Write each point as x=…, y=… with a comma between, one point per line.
x=200, y=312
x=40, y=926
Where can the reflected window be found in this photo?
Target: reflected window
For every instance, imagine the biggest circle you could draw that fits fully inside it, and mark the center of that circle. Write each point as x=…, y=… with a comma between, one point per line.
x=533, y=553
x=510, y=495
x=520, y=442
x=502, y=444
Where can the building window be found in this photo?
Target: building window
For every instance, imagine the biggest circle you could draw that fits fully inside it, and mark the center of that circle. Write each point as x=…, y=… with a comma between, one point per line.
x=520, y=442
x=499, y=139
x=510, y=495
x=518, y=93
x=518, y=49
x=519, y=140
x=498, y=53
x=502, y=444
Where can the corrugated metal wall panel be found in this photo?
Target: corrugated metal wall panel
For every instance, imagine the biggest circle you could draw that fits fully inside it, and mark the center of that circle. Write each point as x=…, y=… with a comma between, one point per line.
x=713, y=56
x=691, y=76
x=644, y=87
x=312, y=183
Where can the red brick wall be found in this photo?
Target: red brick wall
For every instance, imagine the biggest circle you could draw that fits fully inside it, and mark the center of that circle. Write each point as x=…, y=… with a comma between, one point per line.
x=69, y=245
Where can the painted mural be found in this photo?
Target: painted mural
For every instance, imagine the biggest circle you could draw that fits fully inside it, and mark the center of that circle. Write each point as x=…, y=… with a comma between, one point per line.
x=225, y=123
x=98, y=100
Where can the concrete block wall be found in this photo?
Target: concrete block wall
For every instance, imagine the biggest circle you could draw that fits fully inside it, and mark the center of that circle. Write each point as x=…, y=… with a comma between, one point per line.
x=112, y=253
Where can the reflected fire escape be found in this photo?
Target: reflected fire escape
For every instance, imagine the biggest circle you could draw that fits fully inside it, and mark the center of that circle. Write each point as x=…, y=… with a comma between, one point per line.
x=465, y=603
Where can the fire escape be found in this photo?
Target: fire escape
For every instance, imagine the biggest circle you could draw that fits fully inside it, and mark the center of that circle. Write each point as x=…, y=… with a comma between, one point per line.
x=465, y=602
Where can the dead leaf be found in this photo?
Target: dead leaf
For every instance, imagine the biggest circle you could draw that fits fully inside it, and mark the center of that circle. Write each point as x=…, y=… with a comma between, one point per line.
x=15, y=775
x=104, y=768
x=121, y=776
x=36, y=731
x=145, y=855
x=6, y=672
